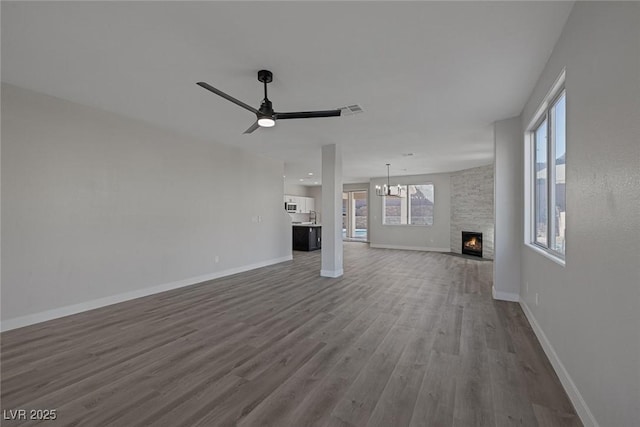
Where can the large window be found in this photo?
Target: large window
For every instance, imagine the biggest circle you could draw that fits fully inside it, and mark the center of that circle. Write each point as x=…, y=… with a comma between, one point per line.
x=415, y=207
x=548, y=161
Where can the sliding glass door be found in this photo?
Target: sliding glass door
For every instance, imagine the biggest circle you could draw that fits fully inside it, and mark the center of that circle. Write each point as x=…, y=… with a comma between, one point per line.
x=355, y=215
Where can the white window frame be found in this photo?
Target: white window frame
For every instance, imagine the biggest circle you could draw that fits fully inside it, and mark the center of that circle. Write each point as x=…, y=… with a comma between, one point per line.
x=408, y=218
x=543, y=113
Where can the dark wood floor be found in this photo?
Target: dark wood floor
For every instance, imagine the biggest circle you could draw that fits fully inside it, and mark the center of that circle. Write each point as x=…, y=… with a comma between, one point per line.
x=403, y=339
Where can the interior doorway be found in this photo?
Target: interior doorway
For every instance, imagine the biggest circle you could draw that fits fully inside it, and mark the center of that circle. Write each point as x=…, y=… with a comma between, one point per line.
x=355, y=216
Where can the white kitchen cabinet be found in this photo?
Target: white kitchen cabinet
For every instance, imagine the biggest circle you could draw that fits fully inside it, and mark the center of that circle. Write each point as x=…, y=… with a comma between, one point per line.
x=310, y=204
x=304, y=204
x=297, y=200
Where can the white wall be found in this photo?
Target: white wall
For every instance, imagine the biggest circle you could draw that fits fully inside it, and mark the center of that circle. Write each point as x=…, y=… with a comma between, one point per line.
x=508, y=181
x=435, y=237
x=295, y=190
x=362, y=186
x=588, y=316
x=96, y=206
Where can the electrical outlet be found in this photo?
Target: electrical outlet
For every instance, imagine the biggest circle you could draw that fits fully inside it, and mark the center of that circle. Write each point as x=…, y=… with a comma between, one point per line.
x=537, y=299
x=216, y=259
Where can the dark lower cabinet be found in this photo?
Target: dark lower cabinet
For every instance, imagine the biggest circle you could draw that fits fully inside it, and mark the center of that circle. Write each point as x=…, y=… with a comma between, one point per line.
x=307, y=238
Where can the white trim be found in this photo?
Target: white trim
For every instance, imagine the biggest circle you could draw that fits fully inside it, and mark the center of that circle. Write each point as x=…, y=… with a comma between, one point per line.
x=530, y=175
x=43, y=316
x=504, y=296
x=331, y=273
x=548, y=99
x=579, y=404
x=409, y=248
x=528, y=187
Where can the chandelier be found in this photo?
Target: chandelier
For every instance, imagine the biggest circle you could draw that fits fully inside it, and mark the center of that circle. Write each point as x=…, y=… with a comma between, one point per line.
x=387, y=190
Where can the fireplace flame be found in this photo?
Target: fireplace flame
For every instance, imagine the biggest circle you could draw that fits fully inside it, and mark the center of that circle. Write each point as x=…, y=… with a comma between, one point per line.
x=473, y=244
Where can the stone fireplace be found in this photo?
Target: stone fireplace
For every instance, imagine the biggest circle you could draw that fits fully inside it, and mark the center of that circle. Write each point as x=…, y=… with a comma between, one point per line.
x=472, y=243
x=472, y=210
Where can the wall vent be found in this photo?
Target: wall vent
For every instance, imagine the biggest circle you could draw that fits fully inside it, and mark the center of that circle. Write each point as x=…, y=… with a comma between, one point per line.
x=351, y=109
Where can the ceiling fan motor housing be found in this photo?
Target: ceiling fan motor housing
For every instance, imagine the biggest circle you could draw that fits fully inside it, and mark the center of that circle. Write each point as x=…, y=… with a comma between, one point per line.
x=266, y=109
x=265, y=76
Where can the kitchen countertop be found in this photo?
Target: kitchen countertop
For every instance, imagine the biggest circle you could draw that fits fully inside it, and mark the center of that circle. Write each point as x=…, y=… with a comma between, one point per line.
x=306, y=224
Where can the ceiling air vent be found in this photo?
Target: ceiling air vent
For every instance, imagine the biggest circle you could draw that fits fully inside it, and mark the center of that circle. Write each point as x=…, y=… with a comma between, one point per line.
x=350, y=110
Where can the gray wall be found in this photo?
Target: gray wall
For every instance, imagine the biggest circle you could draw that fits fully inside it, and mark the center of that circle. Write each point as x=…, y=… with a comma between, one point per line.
x=296, y=190
x=363, y=186
x=588, y=315
x=96, y=205
x=434, y=237
x=472, y=207
x=508, y=213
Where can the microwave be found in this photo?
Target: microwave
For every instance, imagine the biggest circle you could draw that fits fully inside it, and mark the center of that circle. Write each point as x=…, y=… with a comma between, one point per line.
x=290, y=207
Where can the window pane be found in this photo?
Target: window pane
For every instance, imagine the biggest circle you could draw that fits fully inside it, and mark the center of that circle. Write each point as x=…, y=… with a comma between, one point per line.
x=395, y=210
x=420, y=198
x=540, y=196
x=391, y=211
x=558, y=117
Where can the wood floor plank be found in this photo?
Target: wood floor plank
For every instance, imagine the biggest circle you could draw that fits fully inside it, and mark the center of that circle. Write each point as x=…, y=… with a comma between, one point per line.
x=278, y=408
x=510, y=399
x=249, y=395
x=359, y=401
x=474, y=395
x=450, y=328
x=436, y=398
x=316, y=408
x=187, y=371
x=398, y=399
x=404, y=338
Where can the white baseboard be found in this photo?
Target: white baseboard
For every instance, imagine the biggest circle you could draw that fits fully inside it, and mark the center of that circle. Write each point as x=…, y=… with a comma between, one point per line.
x=409, y=248
x=504, y=296
x=331, y=273
x=19, y=322
x=587, y=418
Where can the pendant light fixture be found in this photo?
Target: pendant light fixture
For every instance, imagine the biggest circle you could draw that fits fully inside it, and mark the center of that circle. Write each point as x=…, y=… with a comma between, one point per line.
x=387, y=190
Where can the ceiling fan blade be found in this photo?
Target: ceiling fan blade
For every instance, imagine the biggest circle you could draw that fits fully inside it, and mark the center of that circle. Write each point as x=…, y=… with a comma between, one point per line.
x=306, y=114
x=227, y=97
x=252, y=127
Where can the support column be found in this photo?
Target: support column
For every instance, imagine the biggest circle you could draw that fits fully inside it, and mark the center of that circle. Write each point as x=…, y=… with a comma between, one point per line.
x=331, y=211
x=508, y=203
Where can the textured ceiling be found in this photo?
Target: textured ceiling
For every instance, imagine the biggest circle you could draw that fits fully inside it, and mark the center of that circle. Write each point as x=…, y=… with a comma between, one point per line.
x=431, y=77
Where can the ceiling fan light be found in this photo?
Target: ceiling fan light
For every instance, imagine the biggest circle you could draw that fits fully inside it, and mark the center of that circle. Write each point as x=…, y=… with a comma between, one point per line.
x=266, y=122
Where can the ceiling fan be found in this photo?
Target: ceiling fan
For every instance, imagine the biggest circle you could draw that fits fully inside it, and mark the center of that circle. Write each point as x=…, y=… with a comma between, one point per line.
x=265, y=115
